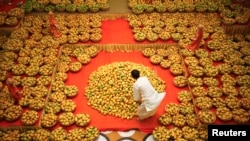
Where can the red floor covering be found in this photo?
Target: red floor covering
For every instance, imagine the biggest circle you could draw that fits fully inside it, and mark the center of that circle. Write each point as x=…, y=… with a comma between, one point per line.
x=100, y=121
x=109, y=122
x=119, y=31
x=114, y=32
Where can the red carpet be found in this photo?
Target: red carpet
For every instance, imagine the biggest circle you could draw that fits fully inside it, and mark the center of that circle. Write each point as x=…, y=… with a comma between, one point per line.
x=119, y=32
x=100, y=121
x=116, y=32
x=109, y=122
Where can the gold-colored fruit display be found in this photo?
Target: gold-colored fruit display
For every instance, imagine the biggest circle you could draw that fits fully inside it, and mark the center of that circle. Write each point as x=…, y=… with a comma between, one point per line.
x=203, y=102
x=241, y=116
x=57, y=96
x=156, y=59
x=75, y=134
x=232, y=102
x=75, y=66
x=180, y=81
x=148, y=52
x=61, y=76
x=224, y=113
x=199, y=91
x=195, y=81
x=196, y=70
x=42, y=134
x=210, y=81
x=244, y=91
x=68, y=105
x=245, y=103
x=13, y=113
x=71, y=91
x=82, y=119
x=179, y=120
x=176, y=132
x=190, y=133
x=66, y=118
x=214, y=91
x=172, y=108
x=59, y=134
x=52, y=107
x=207, y=116
x=161, y=133
x=84, y=58
x=162, y=52
x=44, y=80
x=165, y=119
x=192, y=120
x=16, y=12
x=92, y=51
x=91, y=133
x=48, y=120
x=184, y=96
x=29, y=117
x=187, y=108
x=27, y=135
x=11, y=21
x=205, y=61
x=219, y=102
x=191, y=60
x=114, y=82
x=165, y=63
x=227, y=79
x=36, y=103
x=229, y=90
x=176, y=69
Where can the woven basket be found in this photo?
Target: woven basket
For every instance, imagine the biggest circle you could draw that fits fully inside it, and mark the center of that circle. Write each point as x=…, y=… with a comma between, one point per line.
x=228, y=118
x=207, y=113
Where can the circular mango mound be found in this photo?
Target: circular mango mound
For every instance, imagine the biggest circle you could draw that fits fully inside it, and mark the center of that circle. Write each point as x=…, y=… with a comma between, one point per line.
x=110, y=88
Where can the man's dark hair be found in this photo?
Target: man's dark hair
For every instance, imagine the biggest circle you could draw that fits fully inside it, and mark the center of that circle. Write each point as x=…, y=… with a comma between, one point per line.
x=135, y=74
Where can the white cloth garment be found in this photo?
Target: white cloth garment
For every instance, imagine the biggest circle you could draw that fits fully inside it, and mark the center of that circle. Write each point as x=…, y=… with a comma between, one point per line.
x=150, y=98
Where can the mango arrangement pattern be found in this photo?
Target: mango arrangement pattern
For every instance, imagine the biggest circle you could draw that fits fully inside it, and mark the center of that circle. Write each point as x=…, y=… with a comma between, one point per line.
x=114, y=82
x=212, y=81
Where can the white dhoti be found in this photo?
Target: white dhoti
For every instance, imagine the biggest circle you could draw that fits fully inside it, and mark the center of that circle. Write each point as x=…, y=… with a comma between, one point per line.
x=148, y=109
